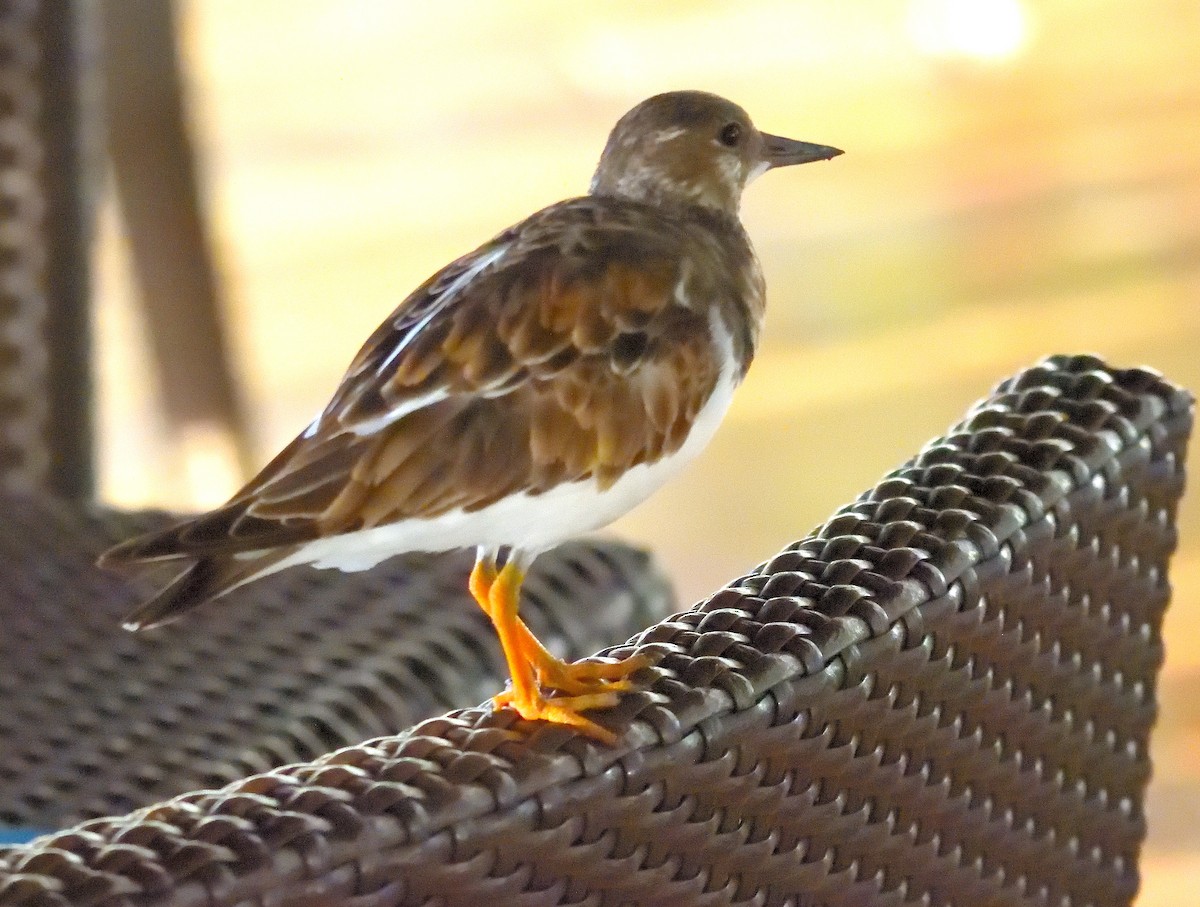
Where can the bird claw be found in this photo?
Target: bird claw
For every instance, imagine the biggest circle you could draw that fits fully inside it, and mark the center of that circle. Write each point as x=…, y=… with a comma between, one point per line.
x=587, y=685
x=563, y=710
x=589, y=677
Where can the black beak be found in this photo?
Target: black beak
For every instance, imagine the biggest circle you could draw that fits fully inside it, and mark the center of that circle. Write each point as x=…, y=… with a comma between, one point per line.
x=781, y=152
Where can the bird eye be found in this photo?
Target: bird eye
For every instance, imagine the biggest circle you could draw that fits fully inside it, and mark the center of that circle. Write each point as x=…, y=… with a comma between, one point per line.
x=730, y=135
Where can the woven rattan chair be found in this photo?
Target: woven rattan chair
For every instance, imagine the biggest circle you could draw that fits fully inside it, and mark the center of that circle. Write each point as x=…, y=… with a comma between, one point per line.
x=943, y=696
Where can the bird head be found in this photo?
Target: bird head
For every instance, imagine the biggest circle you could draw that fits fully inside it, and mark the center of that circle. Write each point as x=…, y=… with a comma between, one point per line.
x=693, y=148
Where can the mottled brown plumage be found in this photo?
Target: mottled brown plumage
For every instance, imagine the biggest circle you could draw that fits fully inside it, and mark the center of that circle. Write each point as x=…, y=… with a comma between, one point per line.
x=572, y=358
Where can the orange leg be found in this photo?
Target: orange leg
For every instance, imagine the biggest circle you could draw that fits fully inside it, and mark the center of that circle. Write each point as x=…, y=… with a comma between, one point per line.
x=488, y=588
x=579, y=678
x=594, y=685
x=483, y=574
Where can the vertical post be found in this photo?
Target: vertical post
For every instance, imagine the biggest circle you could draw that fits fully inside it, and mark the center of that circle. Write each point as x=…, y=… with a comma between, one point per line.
x=156, y=180
x=47, y=133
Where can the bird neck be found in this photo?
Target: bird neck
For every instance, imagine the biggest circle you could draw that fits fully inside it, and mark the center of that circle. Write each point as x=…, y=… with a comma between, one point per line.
x=669, y=201
x=655, y=186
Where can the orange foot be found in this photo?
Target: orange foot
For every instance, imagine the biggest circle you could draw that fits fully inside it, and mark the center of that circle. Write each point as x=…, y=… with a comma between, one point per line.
x=562, y=710
x=588, y=684
x=579, y=678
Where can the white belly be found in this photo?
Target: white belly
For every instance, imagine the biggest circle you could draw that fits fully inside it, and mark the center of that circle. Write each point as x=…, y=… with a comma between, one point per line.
x=528, y=522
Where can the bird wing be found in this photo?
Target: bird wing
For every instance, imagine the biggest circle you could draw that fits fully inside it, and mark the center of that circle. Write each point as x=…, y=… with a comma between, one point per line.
x=573, y=346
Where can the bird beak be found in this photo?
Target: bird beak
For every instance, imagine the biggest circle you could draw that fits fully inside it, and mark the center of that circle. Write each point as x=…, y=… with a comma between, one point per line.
x=781, y=152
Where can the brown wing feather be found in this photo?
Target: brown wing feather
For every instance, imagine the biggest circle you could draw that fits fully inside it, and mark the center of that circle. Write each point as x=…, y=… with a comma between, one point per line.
x=571, y=354
x=603, y=409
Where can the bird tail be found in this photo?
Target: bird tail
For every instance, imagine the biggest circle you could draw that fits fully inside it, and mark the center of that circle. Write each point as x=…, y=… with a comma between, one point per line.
x=206, y=579
x=152, y=547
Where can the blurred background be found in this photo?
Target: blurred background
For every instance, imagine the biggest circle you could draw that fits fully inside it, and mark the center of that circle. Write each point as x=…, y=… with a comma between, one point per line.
x=1022, y=177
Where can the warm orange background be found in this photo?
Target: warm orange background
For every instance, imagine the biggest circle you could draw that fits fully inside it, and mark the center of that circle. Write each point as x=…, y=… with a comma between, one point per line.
x=1021, y=178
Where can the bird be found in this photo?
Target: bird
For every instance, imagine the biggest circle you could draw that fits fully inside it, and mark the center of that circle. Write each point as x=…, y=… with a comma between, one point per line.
x=535, y=389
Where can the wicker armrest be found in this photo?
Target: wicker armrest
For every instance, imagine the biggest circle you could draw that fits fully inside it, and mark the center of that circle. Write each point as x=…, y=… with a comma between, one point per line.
x=96, y=720
x=943, y=696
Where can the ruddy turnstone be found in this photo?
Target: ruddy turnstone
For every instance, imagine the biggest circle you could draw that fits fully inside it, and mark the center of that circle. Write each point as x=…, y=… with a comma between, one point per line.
x=534, y=389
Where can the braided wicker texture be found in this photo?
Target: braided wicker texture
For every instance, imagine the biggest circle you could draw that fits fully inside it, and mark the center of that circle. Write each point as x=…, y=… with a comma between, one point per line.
x=96, y=720
x=943, y=696
x=47, y=128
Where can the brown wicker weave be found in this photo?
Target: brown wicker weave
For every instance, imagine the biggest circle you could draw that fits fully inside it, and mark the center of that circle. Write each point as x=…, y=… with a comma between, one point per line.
x=49, y=127
x=95, y=720
x=944, y=696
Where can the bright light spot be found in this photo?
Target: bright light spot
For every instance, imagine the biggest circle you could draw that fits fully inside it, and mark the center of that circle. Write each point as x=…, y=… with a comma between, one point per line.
x=210, y=464
x=986, y=30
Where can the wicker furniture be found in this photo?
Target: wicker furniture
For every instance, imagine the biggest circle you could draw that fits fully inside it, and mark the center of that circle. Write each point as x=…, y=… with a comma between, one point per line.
x=48, y=167
x=95, y=720
x=944, y=696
